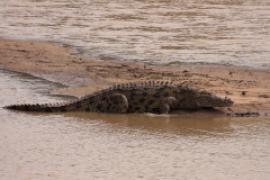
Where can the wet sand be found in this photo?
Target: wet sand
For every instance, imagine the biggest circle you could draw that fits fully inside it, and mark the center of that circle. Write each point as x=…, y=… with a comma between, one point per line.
x=227, y=31
x=248, y=88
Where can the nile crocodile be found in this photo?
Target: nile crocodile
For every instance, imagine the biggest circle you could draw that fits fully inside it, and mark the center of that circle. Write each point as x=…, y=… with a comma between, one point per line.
x=140, y=97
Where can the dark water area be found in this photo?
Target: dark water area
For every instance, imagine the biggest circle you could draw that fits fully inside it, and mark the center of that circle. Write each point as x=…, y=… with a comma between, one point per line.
x=137, y=146
x=225, y=32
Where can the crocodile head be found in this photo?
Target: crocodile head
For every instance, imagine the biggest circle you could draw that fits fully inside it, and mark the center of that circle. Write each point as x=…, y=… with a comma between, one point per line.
x=205, y=99
x=189, y=98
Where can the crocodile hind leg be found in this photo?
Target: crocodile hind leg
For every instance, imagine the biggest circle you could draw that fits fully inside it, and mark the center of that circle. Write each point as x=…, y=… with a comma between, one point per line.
x=117, y=103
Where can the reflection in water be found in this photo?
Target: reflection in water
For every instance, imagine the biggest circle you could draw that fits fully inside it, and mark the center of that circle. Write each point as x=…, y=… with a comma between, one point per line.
x=225, y=31
x=138, y=146
x=195, y=124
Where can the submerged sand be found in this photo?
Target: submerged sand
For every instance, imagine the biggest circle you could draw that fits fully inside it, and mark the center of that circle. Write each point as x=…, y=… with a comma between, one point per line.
x=248, y=88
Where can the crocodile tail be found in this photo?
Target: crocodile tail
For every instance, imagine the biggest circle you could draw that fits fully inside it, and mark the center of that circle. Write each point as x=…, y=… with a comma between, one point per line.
x=38, y=107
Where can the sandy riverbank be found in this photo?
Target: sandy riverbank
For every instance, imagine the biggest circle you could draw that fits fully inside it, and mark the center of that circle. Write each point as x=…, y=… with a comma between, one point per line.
x=249, y=89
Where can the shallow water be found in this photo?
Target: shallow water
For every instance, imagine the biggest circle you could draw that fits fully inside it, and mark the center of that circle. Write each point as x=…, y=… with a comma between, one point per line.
x=226, y=31
x=100, y=146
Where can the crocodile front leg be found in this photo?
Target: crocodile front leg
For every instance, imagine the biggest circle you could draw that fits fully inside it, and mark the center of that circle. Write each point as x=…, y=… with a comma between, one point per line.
x=164, y=108
x=167, y=105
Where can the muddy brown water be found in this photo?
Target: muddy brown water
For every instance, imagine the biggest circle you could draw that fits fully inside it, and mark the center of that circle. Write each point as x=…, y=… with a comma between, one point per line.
x=152, y=31
x=139, y=146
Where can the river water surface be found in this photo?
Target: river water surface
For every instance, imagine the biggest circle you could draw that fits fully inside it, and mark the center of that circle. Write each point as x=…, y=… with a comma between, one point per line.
x=153, y=31
x=99, y=146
